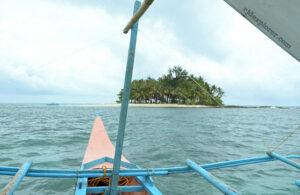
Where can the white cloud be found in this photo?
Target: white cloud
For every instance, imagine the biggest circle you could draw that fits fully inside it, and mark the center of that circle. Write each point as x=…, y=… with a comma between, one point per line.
x=66, y=50
x=254, y=67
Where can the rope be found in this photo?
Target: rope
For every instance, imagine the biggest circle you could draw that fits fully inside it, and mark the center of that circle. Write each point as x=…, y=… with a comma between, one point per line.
x=104, y=168
x=148, y=170
x=218, y=103
x=105, y=181
x=284, y=140
x=265, y=144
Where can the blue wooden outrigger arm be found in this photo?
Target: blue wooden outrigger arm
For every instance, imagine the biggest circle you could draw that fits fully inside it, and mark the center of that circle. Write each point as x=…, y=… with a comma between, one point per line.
x=284, y=159
x=141, y=174
x=211, y=179
x=133, y=170
x=16, y=180
x=298, y=183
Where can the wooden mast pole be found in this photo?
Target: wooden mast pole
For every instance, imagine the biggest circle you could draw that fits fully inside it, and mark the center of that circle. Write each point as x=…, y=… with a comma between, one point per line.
x=124, y=106
x=139, y=10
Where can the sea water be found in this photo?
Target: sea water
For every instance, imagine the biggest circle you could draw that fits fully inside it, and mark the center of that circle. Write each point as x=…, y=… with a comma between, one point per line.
x=57, y=136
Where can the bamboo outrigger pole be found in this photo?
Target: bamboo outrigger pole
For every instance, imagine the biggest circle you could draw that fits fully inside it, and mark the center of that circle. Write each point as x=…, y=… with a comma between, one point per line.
x=146, y=4
x=139, y=10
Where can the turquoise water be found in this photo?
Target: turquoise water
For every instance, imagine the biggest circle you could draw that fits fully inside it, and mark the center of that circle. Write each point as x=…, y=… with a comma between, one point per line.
x=56, y=137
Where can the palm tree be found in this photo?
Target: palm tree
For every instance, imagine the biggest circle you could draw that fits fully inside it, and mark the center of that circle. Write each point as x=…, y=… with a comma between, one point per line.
x=177, y=86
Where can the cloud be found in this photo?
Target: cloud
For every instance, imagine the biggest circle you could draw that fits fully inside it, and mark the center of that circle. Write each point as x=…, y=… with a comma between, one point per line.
x=74, y=51
x=62, y=49
x=252, y=71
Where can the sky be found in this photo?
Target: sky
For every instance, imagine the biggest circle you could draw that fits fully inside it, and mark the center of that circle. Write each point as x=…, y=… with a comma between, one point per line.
x=74, y=51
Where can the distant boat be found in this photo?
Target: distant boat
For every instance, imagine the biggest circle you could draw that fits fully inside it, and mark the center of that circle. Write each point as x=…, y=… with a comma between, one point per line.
x=53, y=104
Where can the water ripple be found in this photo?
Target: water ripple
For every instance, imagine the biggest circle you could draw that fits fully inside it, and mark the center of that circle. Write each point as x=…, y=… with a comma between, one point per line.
x=56, y=137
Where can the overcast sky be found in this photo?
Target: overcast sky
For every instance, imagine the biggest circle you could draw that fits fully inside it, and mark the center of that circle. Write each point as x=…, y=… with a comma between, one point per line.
x=74, y=51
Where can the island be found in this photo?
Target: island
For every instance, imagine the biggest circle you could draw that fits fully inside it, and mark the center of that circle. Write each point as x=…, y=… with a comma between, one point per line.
x=175, y=87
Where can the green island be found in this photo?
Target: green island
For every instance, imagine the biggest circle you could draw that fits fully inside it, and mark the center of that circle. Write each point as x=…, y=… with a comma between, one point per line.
x=175, y=87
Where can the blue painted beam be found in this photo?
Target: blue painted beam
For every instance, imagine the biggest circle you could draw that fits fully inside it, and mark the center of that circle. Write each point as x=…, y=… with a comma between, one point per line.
x=85, y=175
x=57, y=173
x=96, y=190
x=124, y=106
x=148, y=185
x=298, y=183
x=81, y=186
x=16, y=180
x=211, y=179
x=123, y=163
x=283, y=159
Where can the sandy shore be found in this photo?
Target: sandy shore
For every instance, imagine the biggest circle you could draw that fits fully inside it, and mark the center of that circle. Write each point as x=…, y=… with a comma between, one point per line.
x=154, y=105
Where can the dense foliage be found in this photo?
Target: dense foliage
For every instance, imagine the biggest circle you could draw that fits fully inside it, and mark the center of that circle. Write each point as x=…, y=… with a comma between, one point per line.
x=175, y=87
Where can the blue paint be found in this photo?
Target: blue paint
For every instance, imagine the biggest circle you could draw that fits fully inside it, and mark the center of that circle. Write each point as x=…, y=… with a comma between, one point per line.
x=20, y=175
x=124, y=106
x=148, y=184
x=81, y=185
x=84, y=175
x=123, y=163
x=97, y=114
x=211, y=179
x=94, y=163
x=142, y=175
x=57, y=173
x=283, y=159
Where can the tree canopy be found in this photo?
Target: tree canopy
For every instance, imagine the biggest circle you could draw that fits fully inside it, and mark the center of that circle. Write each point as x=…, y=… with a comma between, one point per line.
x=175, y=87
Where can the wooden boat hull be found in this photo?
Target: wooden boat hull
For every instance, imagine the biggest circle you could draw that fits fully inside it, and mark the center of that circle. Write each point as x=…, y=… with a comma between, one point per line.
x=100, y=147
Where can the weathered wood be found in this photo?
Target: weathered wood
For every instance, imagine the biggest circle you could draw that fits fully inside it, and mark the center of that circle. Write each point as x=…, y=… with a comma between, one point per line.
x=211, y=179
x=15, y=181
x=146, y=4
